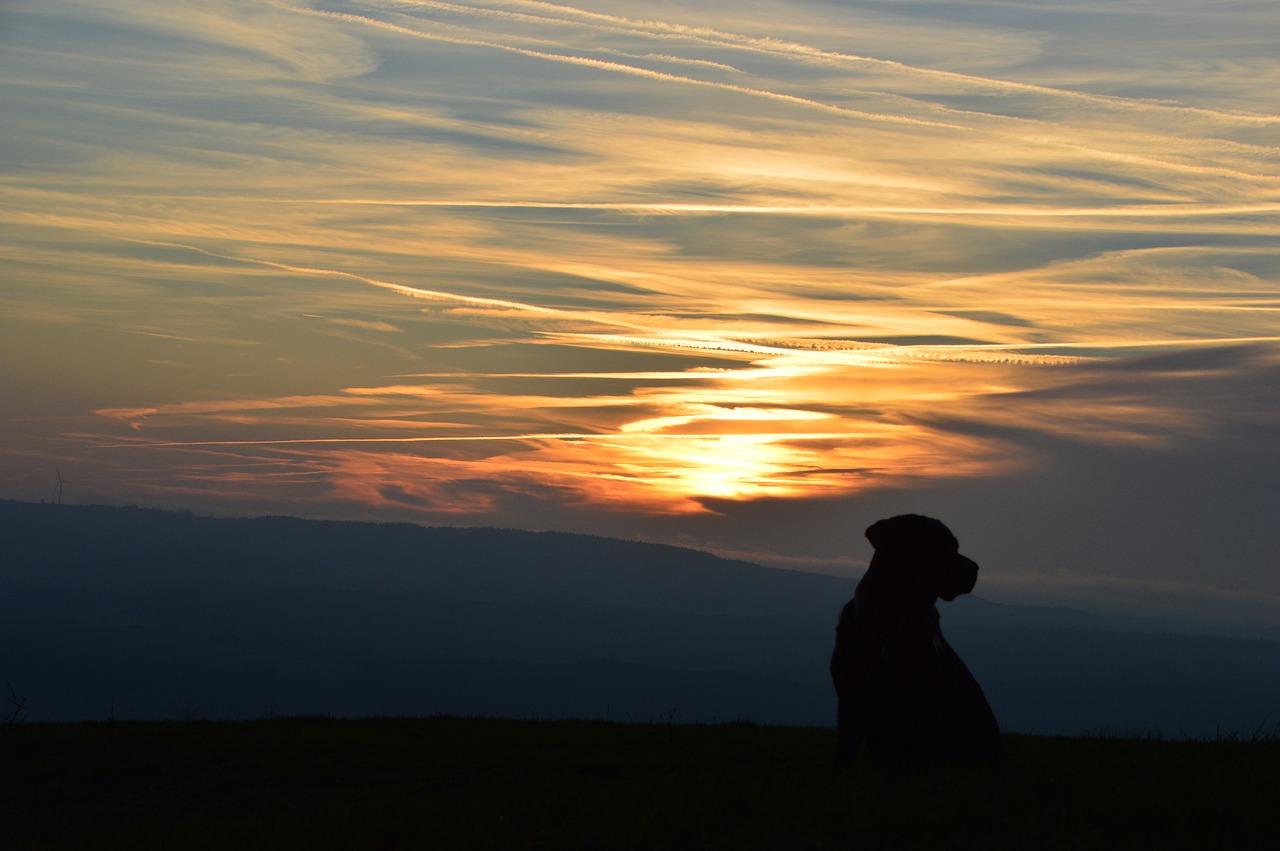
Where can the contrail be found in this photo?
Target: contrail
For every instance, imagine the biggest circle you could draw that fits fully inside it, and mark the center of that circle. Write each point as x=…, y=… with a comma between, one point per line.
x=783, y=48
x=660, y=208
x=663, y=57
x=595, y=317
x=779, y=47
x=621, y=68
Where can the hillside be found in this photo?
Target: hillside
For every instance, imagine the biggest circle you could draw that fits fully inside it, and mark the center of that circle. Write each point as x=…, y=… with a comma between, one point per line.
x=135, y=613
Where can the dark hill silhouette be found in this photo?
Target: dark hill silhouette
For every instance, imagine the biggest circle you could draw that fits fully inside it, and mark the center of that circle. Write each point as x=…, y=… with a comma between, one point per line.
x=96, y=543
x=163, y=614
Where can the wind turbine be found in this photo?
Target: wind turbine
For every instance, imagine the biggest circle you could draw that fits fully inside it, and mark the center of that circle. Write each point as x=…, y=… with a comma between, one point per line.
x=57, y=492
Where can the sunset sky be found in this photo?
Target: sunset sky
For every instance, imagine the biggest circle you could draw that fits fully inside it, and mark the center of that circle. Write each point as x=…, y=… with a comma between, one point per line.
x=742, y=275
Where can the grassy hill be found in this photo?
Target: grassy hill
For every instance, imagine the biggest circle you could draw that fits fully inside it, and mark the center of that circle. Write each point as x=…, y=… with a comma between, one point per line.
x=474, y=783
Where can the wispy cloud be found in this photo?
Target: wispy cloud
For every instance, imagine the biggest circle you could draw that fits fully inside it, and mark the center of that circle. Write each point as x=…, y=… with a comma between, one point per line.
x=486, y=259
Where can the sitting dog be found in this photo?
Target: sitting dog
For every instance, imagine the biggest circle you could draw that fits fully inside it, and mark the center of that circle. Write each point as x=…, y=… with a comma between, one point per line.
x=902, y=691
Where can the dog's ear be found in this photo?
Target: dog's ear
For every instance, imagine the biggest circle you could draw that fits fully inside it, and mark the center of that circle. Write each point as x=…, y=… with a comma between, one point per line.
x=881, y=533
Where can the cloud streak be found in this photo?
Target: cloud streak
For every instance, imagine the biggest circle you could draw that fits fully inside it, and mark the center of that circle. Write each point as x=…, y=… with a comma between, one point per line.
x=575, y=265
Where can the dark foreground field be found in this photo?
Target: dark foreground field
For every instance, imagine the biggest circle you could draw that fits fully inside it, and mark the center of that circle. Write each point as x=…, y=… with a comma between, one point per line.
x=466, y=783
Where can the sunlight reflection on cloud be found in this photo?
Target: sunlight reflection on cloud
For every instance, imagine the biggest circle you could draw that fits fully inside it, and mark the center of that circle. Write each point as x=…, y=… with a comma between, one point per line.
x=447, y=255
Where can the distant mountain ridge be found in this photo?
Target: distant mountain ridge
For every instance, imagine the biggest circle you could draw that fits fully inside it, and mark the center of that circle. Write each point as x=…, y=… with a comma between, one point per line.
x=136, y=543
x=149, y=613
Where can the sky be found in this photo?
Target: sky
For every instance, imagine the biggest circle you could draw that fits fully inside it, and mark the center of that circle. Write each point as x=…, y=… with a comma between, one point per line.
x=743, y=276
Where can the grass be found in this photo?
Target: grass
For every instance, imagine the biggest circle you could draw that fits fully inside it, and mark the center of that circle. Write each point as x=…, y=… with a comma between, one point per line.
x=487, y=783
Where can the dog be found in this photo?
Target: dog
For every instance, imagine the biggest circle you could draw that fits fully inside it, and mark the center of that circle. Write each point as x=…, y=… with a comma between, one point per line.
x=902, y=691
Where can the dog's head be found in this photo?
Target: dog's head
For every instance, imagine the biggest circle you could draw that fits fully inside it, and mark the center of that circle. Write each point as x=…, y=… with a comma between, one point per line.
x=926, y=549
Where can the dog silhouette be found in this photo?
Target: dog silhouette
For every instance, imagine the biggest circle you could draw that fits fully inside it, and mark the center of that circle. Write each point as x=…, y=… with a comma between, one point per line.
x=902, y=691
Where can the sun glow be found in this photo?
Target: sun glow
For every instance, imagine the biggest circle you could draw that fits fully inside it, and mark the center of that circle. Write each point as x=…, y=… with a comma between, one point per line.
x=735, y=466
x=461, y=259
